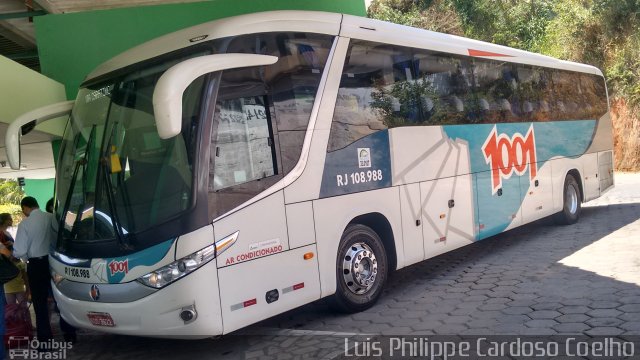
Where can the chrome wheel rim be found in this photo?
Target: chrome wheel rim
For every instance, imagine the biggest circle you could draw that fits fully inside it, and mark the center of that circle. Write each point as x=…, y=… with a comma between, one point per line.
x=359, y=268
x=572, y=199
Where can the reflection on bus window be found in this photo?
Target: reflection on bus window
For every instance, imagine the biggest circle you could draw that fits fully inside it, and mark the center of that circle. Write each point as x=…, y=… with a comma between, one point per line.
x=385, y=86
x=262, y=114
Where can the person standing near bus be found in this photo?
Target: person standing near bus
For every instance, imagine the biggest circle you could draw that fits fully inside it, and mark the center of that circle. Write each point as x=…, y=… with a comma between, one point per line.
x=4, y=251
x=6, y=221
x=16, y=290
x=68, y=331
x=33, y=239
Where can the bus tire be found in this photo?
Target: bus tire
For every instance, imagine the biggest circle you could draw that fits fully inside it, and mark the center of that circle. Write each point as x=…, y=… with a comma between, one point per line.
x=571, y=202
x=361, y=269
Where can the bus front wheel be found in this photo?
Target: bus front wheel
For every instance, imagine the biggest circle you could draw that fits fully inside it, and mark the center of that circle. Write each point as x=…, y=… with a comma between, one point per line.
x=571, y=202
x=361, y=269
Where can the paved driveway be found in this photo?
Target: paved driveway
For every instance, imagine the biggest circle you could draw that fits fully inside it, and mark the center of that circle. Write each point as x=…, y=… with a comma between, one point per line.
x=537, y=279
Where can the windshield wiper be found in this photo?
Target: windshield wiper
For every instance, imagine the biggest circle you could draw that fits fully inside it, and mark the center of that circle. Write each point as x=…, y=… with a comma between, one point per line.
x=65, y=208
x=123, y=240
x=115, y=221
x=74, y=177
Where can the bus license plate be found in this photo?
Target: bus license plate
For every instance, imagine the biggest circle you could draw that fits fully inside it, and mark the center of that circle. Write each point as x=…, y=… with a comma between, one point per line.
x=101, y=319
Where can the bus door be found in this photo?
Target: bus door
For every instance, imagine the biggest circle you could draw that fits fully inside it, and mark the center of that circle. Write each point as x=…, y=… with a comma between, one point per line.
x=261, y=275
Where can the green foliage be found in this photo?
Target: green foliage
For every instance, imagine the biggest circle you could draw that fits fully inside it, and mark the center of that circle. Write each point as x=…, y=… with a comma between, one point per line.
x=623, y=73
x=514, y=23
x=435, y=15
x=10, y=192
x=619, y=18
x=411, y=96
x=603, y=33
x=14, y=210
x=621, y=40
x=574, y=33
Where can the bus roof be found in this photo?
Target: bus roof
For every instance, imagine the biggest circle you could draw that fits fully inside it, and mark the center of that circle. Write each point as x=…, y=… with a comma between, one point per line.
x=332, y=24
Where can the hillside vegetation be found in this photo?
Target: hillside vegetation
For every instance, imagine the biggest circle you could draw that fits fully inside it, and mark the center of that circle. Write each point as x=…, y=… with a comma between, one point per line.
x=603, y=33
x=10, y=195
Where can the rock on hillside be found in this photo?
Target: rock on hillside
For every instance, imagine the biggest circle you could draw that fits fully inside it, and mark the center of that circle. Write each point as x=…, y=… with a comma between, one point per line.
x=626, y=136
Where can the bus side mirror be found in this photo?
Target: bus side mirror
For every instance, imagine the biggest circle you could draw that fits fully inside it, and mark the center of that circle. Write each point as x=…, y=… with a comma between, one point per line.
x=167, y=95
x=27, y=121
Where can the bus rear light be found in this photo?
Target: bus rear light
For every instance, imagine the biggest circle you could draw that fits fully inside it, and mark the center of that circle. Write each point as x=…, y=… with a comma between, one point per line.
x=308, y=256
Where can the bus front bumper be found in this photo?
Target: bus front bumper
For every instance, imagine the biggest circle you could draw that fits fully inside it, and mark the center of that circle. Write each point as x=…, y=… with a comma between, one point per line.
x=158, y=314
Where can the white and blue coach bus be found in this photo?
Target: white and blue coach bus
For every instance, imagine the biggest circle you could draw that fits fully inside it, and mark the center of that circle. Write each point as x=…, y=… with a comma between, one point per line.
x=234, y=170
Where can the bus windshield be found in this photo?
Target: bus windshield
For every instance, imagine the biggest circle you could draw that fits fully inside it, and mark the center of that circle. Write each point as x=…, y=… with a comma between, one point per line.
x=118, y=180
x=117, y=177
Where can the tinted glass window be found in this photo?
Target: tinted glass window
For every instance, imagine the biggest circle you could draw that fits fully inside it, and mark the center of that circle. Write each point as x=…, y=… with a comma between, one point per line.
x=446, y=87
x=386, y=86
x=367, y=98
x=118, y=178
x=262, y=115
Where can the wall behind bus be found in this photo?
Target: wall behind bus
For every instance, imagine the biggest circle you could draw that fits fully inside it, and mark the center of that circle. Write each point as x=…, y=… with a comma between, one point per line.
x=72, y=45
x=41, y=189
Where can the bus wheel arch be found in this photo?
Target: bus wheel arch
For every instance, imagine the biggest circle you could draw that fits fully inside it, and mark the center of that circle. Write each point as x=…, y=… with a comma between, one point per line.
x=572, y=198
x=576, y=175
x=379, y=223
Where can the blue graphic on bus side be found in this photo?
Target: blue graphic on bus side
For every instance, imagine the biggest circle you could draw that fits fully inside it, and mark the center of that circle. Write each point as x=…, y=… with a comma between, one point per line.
x=363, y=165
x=495, y=210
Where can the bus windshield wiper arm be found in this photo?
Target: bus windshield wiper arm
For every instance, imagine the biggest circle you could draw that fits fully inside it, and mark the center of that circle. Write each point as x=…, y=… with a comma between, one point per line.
x=115, y=222
x=104, y=169
x=74, y=177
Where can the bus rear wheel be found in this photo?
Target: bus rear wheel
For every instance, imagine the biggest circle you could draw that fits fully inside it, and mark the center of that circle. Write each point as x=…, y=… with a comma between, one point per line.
x=361, y=269
x=571, y=202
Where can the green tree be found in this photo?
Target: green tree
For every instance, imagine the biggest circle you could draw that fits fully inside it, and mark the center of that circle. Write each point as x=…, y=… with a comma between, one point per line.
x=10, y=192
x=434, y=15
x=603, y=33
x=515, y=23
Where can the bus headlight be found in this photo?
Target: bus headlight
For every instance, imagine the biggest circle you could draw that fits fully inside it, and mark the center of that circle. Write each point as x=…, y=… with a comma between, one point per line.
x=169, y=273
x=179, y=268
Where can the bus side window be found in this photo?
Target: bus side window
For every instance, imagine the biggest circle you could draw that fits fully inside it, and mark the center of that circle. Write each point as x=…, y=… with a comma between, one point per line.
x=262, y=114
x=447, y=82
x=377, y=91
x=243, y=143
